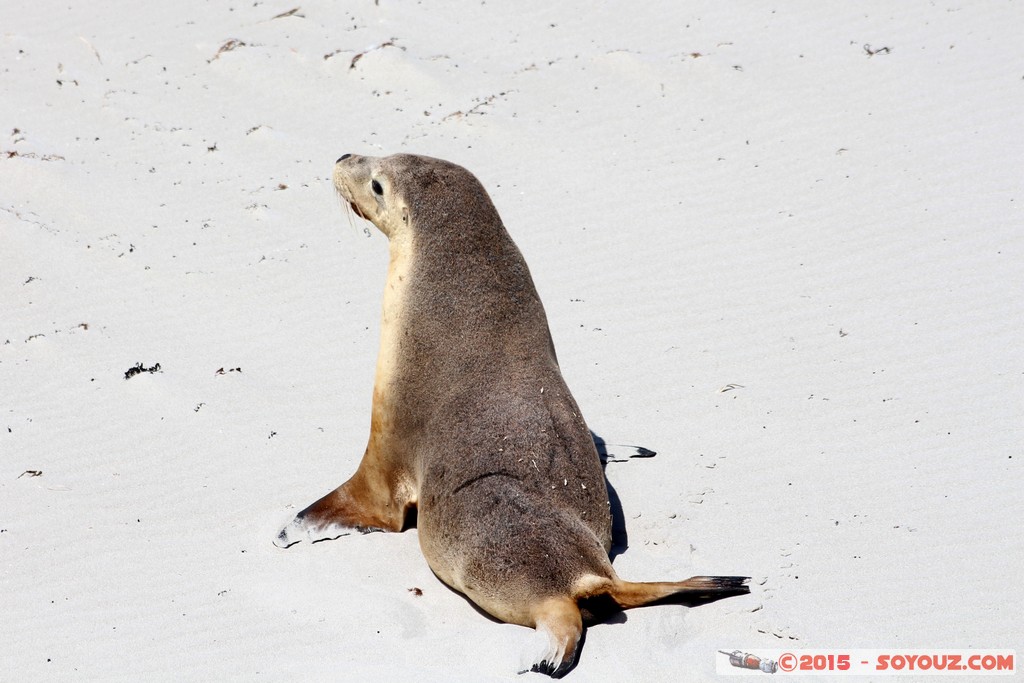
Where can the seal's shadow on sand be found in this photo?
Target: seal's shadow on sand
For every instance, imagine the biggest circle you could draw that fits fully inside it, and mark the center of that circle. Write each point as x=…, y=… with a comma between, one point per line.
x=620, y=538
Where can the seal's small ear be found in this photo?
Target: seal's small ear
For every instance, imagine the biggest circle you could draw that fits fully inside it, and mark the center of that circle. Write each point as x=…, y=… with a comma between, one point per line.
x=405, y=215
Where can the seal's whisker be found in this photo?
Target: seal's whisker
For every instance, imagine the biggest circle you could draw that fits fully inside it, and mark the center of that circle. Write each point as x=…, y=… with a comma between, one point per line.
x=350, y=212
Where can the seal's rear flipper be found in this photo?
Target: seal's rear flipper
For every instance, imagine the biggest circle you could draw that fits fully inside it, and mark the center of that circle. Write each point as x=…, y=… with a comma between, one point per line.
x=697, y=590
x=554, y=647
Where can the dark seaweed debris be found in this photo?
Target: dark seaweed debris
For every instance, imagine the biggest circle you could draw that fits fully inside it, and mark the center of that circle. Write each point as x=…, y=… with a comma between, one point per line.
x=139, y=368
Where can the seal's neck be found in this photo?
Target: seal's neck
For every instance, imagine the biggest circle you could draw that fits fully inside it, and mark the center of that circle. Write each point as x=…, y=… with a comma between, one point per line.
x=392, y=313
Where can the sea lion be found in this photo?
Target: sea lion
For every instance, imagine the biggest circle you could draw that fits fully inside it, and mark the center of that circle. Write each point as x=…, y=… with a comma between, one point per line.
x=472, y=427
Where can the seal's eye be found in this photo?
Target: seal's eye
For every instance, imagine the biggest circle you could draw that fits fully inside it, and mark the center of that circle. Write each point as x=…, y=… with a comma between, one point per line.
x=377, y=188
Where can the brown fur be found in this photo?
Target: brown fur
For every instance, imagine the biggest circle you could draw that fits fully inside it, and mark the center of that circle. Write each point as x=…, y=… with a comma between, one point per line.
x=472, y=424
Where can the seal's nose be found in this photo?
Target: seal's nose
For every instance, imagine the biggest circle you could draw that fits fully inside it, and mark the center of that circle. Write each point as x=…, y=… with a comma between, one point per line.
x=342, y=158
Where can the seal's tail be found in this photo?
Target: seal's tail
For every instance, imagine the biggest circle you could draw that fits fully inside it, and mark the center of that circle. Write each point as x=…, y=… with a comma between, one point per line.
x=696, y=590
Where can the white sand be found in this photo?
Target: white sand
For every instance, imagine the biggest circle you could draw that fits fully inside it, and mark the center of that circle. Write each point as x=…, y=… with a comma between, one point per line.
x=706, y=197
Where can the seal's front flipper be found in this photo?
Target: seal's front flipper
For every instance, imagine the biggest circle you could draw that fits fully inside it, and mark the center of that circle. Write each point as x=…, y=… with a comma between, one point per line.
x=335, y=515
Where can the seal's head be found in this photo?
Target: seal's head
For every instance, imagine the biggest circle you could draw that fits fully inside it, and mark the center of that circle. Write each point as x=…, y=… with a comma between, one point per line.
x=402, y=190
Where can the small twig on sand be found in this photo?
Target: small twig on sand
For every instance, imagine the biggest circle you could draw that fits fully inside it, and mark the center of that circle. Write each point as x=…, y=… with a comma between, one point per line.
x=227, y=47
